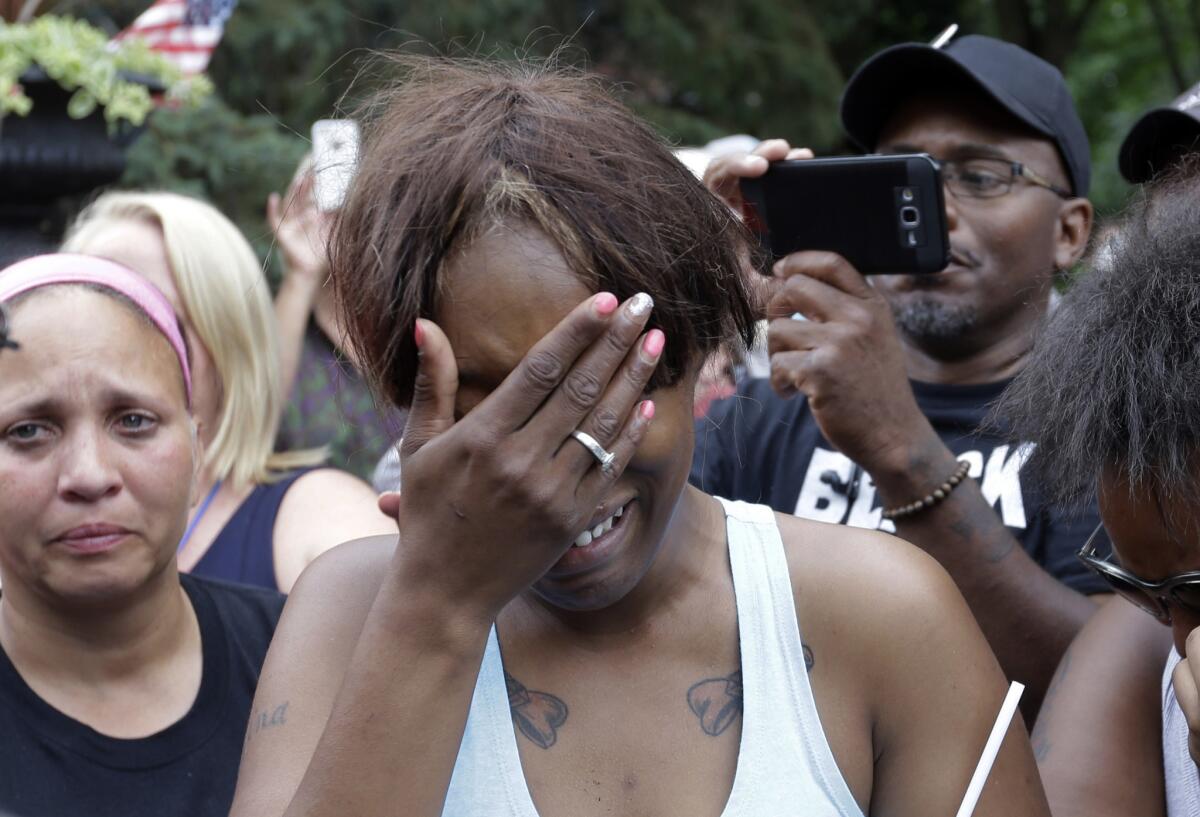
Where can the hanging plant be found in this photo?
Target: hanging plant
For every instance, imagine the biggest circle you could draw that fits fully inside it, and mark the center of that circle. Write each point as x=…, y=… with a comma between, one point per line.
x=100, y=74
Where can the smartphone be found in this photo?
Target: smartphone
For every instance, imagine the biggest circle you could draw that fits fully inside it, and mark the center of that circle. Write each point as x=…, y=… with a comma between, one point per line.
x=335, y=160
x=883, y=214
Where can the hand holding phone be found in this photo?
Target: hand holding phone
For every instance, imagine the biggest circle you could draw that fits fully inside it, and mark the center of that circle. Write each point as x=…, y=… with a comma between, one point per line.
x=883, y=214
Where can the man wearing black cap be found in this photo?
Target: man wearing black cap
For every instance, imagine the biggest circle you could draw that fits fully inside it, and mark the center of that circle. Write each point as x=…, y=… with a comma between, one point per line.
x=1161, y=137
x=897, y=374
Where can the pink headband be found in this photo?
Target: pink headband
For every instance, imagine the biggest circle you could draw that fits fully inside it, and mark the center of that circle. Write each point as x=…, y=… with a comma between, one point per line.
x=66, y=268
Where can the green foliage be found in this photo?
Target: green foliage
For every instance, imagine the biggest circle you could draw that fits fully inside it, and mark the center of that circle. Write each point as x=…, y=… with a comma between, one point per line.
x=288, y=64
x=855, y=29
x=1118, y=72
x=75, y=54
x=697, y=69
x=217, y=154
x=760, y=67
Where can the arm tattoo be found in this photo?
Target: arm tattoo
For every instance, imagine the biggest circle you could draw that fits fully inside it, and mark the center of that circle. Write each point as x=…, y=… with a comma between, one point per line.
x=809, y=660
x=996, y=550
x=537, y=714
x=267, y=718
x=717, y=702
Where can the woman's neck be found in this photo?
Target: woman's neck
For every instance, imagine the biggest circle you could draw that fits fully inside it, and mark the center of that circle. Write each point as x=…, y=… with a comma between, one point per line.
x=127, y=669
x=92, y=643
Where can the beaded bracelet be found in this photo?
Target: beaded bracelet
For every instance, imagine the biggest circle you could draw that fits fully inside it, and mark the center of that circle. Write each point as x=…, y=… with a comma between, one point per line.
x=931, y=499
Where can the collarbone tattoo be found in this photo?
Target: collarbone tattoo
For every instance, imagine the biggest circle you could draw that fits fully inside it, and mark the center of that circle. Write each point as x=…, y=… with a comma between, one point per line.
x=717, y=702
x=538, y=715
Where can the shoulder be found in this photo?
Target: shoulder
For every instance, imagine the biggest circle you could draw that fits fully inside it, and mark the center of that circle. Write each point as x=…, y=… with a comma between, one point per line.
x=1111, y=764
x=243, y=609
x=897, y=648
x=827, y=559
x=351, y=573
x=360, y=562
x=324, y=507
x=329, y=482
x=1121, y=653
x=892, y=610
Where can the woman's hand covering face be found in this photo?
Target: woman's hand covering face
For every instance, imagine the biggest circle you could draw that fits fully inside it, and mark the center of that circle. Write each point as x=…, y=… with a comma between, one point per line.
x=490, y=502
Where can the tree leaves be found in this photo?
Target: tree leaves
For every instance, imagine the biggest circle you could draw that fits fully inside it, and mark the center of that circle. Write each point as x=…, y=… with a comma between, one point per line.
x=698, y=69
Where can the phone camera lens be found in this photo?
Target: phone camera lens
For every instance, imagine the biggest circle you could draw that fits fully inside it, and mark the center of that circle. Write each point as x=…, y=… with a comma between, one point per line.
x=909, y=216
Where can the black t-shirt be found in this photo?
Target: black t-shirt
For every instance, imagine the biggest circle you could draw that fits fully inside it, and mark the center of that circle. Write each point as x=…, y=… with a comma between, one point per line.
x=53, y=766
x=759, y=447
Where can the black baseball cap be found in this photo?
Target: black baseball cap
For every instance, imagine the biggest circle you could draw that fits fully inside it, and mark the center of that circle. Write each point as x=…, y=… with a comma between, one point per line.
x=1160, y=137
x=1025, y=85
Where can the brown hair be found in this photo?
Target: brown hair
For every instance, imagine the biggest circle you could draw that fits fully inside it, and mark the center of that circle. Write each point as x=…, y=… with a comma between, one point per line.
x=456, y=146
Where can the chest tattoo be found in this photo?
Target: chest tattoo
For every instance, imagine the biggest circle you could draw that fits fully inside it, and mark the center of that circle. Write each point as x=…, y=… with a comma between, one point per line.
x=717, y=702
x=537, y=714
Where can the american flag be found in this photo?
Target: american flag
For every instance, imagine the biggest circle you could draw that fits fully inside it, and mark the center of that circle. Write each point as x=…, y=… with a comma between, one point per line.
x=184, y=31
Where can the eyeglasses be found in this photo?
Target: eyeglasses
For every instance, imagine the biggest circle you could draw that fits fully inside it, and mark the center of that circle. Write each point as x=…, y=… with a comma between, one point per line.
x=1156, y=598
x=990, y=178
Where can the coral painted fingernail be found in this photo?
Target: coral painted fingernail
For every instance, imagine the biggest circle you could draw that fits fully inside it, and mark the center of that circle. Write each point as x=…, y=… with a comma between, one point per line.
x=654, y=343
x=640, y=304
x=605, y=304
x=418, y=334
x=647, y=410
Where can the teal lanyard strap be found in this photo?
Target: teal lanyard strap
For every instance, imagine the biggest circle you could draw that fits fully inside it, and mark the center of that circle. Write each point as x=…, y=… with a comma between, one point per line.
x=187, y=534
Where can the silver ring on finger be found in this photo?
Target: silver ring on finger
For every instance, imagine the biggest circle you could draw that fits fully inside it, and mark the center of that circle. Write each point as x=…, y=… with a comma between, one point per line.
x=603, y=456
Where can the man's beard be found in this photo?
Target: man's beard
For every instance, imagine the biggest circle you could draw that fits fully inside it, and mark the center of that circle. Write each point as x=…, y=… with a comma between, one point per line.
x=929, y=321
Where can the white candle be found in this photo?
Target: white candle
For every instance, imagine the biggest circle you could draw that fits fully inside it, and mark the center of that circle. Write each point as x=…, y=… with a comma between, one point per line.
x=991, y=749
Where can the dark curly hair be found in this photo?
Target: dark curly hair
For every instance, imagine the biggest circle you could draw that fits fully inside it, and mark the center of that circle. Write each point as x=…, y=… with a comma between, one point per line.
x=1113, y=385
x=455, y=146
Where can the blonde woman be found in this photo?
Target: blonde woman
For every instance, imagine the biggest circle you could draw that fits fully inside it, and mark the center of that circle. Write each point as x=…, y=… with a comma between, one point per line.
x=261, y=516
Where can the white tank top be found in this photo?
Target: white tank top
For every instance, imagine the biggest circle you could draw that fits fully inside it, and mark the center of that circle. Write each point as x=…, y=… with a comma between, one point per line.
x=784, y=762
x=1181, y=778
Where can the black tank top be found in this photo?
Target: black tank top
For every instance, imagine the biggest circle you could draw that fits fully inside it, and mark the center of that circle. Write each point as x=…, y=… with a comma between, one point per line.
x=244, y=550
x=54, y=766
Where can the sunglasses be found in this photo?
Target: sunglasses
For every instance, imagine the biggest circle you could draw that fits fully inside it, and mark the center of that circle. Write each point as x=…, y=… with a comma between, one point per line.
x=1156, y=598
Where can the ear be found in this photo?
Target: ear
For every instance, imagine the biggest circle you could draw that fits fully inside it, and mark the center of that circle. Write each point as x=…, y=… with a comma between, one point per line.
x=1074, y=227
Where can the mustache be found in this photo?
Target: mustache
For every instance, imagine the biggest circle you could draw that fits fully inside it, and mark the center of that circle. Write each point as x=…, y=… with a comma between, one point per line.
x=964, y=257
x=960, y=256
